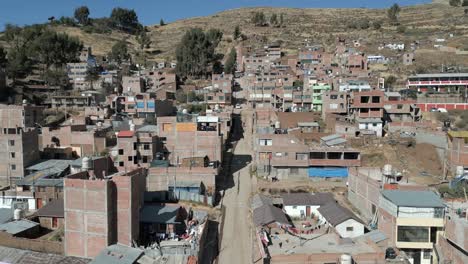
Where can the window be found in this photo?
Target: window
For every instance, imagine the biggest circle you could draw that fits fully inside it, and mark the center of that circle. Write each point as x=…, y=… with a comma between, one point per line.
x=294, y=207
x=121, y=164
x=146, y=146
x=130, y=158
x=349, y=229
x=13, y=167
x=333, y=96
x=265, y=142
x=278, y=154
x=145, y=159
x=121, y=151
x=12, y=155
x=375, y=99
x=302, y=156
x=413, y=234
x=54, y=222
x=427, y=254
x=294, y=170
x=11, y=143
x=399, y=106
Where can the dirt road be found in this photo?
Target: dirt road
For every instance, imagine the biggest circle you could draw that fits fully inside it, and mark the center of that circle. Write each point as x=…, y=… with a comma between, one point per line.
x=236, y=244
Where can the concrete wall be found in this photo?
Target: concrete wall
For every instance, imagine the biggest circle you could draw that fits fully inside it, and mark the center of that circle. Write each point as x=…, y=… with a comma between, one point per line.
x=363, y=191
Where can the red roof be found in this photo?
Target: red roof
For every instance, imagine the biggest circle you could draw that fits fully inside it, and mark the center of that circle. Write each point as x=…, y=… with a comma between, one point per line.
x=127, y=133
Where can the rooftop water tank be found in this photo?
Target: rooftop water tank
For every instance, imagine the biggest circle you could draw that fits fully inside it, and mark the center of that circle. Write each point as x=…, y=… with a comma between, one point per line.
x=18, y=214
x=346, y=259
x=387, y=170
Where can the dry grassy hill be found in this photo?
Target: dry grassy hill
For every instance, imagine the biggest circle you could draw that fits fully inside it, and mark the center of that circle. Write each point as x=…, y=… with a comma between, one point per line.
x=423, y=22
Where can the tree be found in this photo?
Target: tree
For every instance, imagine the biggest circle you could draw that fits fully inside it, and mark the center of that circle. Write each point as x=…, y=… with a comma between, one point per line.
x=161, y=22
x=119, y=52
x=236, y=33
x=125, y=20
x=390, y=81
x=19, y=65
x=82, y=15
x=259, y=19
x=274, y=20
x=455, y=3
x=393, y=13
x=230, y=65
x=214, y=36
x=57, y=49
x=281, y=22
x=3, y=60
x=57, y=77
x=196, y=52
x=92, y=75
x=217, y=67
x=143, y=40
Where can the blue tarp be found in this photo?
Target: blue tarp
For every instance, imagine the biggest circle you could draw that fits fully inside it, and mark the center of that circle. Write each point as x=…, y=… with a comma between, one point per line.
x=328, y=172
x=150, y=105
x=140, y=105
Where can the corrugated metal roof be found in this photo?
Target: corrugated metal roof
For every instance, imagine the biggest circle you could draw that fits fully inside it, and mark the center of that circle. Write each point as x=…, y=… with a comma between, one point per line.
x=260, y=200
x=54, y=208
x=331, y=137
x=17, y=227
x=6, y=215
x=268, y=214
x=336, y=214
x=118, y=254
x=50, y=164
x=413, y=198
x=335, y=142
x=163, y=214
x=439, y=75
x=307, y=198
x=148, y=128
x=376, y=236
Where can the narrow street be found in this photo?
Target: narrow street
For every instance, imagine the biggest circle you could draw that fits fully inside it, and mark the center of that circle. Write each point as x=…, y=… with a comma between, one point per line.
x=236, y=244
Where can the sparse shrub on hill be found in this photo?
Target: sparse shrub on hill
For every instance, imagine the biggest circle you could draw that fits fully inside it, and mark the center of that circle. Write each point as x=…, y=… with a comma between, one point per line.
x=377, y=25
x=401, y=29
x=259, y=19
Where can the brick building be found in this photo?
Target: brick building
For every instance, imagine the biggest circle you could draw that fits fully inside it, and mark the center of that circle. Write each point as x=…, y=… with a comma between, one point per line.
x=99, y=213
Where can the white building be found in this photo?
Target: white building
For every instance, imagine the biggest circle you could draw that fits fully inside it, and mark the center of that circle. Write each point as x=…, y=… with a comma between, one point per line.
x=346, y=224
x=374, y=125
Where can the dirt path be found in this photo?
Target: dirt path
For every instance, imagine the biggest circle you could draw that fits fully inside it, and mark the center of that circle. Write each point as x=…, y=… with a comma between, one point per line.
x=236, y=244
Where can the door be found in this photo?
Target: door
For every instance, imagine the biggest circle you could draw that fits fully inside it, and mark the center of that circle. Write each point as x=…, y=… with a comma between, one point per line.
x=38, y=203
x=307, y=211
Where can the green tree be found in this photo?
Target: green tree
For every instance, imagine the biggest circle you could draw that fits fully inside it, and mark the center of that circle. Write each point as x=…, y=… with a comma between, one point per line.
x=57, y=77
x=195, y=53
x=119, y=52
x=393, y=13
x=3, y=59
x=56, y=49
x=217, y=67
x=143, y=40
x=82, y=15
x=161, y=22
x=274, y=20
x=214, y=36
x=125, y=20
x=230, y=65
x=258, y=19
x=19, y=65
x=237, y=33
x=390, y=81
x=92, y=75
x=455, y=3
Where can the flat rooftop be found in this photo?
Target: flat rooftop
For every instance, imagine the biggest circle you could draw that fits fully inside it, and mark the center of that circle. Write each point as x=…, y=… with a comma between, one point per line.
x=317, y=243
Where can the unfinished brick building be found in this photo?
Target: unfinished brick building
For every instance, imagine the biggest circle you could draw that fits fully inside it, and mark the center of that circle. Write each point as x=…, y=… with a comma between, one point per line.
x=101, y=212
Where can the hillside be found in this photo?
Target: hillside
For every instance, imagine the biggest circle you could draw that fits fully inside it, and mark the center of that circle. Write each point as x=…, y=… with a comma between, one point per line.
x=424, y=23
